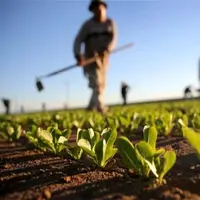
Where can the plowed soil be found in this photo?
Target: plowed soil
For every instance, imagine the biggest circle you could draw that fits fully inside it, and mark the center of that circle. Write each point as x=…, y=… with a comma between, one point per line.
x=26, y=173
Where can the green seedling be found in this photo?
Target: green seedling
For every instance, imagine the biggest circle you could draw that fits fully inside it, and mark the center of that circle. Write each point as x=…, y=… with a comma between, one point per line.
x=144, y=158
x=72, y=149
x=164, y=123
x=99, y=147
x=47, y=140
x=192, y=137
x=10, y=131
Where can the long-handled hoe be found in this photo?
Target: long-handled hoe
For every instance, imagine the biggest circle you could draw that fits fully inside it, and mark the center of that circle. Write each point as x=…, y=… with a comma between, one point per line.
x=39, y=84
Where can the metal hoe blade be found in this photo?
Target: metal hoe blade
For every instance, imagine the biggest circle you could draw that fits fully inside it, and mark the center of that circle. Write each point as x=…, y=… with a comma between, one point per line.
x=39, y=85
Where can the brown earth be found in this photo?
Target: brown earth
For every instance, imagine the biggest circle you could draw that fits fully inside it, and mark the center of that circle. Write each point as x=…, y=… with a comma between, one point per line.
x=26, y=173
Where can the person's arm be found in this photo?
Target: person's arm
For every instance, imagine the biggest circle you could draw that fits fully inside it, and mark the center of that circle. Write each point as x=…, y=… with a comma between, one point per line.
x=113, y=41
x=79, y=39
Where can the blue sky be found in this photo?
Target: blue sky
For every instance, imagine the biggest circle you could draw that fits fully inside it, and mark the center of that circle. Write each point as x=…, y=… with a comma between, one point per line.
x=37, y=37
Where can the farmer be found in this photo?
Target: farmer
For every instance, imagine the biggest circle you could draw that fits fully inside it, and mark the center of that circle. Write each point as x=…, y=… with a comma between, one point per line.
x=6, y=103
x=98, y=34
x=188, y=92
x=124, y=90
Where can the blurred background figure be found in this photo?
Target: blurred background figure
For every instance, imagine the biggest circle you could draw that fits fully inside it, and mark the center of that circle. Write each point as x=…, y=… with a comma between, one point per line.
x=188, y=92
x=124, y=90
x=6, y=103
x=65, y=106
x=22, y=109
x=198, y=91
x=43, y=107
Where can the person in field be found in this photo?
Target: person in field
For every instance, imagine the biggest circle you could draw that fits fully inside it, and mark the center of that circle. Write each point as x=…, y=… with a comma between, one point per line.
x=124, y=90
x=43, y=107
x=6, y=103
x=188, y=92
x=98, y=34
x=198, y=91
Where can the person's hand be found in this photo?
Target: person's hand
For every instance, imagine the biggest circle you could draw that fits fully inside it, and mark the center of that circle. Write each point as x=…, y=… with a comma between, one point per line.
x=80, y=61
x=107, y=52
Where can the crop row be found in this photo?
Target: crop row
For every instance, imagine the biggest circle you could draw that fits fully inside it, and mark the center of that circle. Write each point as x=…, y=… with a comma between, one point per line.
x=98, y=139
x=125, y=123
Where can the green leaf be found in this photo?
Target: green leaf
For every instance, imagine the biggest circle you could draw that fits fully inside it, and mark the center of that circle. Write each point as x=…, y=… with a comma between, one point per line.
x=75, y=152
x=45, y=135
x=59, y=148
x=100, y=149
x=18, y=132
x=157, y=161
x=160, y=125
x=83, y=134
x=159, y=152
x=124, y=122
x=110, y=137
x=66, y=133
x=193, y=138
x=34, y=129
x=91, y=133
x=185, y=119
x=128, y=153
x=62, y=140
x=94, y=139
x=152, y=167
x=10, y=130
x=46, y=143
x=112, y=122
x=169, y=159
x=150, y=136
x=145, y=149
x=196, y=122
x=85, y=145
x=56, y=133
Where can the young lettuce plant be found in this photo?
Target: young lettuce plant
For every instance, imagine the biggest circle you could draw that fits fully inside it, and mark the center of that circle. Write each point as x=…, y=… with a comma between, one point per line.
x=78, y=123
x=10, y=132
x=136, y=121
x=99, y=147
x=144, y=158
x=150, y=119
x=47, y=140
x=162, y=160
x=95, y=122
x=72, y=149
x=177, y=130
x=196, y=122
x=164, y=124
x=112, y=122
x=125, y=125
x=192, y=137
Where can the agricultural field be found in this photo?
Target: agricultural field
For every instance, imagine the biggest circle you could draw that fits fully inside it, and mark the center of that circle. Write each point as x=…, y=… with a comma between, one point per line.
x=147, y=151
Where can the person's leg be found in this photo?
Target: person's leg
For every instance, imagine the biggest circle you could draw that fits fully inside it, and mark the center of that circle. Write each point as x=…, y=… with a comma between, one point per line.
x=99, y=99
x=91, y=105
x=91, y=85
x=101, y=86
x=96, y=101
x=97, y=82
x=125, y=99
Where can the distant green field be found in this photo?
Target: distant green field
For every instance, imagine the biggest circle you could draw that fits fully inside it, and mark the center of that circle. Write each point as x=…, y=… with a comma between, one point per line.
x=157, y=104
x=68, y=117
